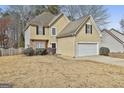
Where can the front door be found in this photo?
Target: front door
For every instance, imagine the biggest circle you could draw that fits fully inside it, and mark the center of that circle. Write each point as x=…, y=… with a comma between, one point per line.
x=54, y=47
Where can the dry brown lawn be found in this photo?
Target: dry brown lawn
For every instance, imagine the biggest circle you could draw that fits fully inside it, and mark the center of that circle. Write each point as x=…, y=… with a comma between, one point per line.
x=51, y=71
x=117, y=55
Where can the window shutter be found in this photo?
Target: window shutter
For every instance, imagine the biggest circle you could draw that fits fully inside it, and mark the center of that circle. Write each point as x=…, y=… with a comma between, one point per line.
x=86, y=28
x=91, y=28
x=37, y=30
x=43, y=30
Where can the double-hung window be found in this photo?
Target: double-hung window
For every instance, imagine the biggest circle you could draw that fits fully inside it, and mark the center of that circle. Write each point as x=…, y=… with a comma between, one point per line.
x=40, y=30
x=53, y=31
x=88, y=29
x=40, y=45
x=53, y=45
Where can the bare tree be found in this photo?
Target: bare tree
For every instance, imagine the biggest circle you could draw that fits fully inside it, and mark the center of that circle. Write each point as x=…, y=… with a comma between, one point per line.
x=20, y=15
x=25, y=13
x=0, y=12
x=122, y=24
x=19, y=12
x=4, y=23
x=70, y=11
x=98, y=12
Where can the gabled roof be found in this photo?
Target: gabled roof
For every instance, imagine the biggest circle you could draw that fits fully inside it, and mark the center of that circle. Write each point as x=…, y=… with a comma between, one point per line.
x=115, y=37
x=45, y=19
x=73, y=27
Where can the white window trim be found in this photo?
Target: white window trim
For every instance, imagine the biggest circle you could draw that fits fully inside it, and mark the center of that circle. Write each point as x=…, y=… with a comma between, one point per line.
x=55, y=43
x=55, y=31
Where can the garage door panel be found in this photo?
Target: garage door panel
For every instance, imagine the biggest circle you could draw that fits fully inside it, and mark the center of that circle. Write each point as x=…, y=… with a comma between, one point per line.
x=86, y=49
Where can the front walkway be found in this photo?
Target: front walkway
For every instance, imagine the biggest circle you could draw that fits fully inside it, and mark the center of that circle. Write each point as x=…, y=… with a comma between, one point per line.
x=104, y=59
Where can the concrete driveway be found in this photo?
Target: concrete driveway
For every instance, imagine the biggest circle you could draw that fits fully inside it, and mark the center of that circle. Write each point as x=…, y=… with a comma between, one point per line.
x=104, y=59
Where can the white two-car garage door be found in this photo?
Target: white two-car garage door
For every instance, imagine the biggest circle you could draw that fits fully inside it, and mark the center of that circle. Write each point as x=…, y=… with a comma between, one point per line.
x=86, y=49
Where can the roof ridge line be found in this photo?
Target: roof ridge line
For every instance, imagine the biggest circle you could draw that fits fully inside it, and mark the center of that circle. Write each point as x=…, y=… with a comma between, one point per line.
x=83, y=20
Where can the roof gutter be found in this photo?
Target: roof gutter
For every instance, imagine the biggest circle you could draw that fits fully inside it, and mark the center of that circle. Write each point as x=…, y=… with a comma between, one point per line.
x=66, y=36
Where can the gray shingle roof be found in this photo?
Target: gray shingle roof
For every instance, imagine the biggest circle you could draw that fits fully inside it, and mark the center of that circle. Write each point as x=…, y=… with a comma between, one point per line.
x=72, y=27
x=44, y=19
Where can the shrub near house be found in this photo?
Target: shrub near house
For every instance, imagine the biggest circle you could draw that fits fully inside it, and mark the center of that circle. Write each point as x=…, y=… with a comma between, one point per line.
x=104, y=51
x=29, y=52
x=40, y=51
x=37, y=51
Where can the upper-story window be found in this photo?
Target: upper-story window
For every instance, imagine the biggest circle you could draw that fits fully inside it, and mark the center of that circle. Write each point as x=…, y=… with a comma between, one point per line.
x=53, y=31
x=88, y=29
x=40, y=30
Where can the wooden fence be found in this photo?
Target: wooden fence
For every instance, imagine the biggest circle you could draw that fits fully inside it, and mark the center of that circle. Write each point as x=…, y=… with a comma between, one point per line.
x=10, y=51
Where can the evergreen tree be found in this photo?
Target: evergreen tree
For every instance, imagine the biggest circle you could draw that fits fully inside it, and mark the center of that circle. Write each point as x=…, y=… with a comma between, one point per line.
x=53, y=9
x=122, y=24
x=21, y=40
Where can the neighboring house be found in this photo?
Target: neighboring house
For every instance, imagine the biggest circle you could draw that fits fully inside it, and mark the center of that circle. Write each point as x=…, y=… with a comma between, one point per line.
x=113, y=39
x=76, y=38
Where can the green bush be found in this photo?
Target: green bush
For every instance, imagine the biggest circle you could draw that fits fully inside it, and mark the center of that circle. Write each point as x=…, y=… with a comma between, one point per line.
x=104, y=51
x=29, y=52
x=40, y=51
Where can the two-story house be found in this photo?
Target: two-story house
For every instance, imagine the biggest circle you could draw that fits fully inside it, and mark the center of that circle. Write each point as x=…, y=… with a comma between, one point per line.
x=41, y=31
x=70, y=38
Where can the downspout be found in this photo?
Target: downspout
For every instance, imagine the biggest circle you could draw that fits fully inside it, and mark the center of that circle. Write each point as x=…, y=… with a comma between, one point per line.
x=99, y=43
x=74, y=46
x=123, y=47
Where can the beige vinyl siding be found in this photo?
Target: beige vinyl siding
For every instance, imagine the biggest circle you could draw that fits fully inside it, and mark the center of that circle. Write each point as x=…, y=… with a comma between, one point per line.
x=38, y=37
x=83, y=37
x=59, y=25
x=66, y=46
